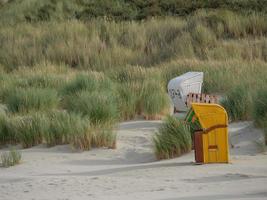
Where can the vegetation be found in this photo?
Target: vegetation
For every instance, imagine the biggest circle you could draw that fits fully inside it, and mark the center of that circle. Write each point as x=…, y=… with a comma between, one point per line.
x=99, y=107
x=155, y=99
x=64, y=128
x=265, y=131
x=3, y=109
x=104, y=137
x=70, y=70
x=4, y=137
x=25, y=100
x=112, y=45
x=26, y=130
x=55, y=128
x=80, y=83
x=35, y=11
x=11, y=158
x=260, y=105
x=238, y=103
x=260, y=110
x=173, y=139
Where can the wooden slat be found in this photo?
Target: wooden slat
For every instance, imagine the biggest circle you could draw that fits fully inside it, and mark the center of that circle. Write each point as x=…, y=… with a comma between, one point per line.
x=198, y=146
x=200, y=98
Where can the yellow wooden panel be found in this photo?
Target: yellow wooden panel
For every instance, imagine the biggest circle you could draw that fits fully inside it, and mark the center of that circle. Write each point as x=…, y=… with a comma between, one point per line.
x=215, y=142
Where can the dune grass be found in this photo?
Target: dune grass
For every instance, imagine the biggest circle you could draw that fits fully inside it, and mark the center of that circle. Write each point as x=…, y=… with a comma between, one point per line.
x=81, y=136
x=80, y=132
x=3, y=109
x=65, y=128
x=128, y=99
x=11, y=158
x=204, y=35
x=260, y=105
x=104, y=136
x=80, y=83
x=56, y=128
x=238, y=103
x=140, y=92
x=173, y=139
x=125, y=93
x=13, y=11
x=265, y=130
x=5, y=137
x=99, y=107
x=155, y=100
x=27, y=129
x=57, y=77
x=260, y=110
x=25, y=100
x=44, y=81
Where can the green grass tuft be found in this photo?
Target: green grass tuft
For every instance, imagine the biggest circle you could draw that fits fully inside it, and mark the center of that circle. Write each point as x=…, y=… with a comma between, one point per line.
x=80, y=83
x=99, y=107
x=127, y=101
x=27, y=129
x=25, y=100
x=260, y=105
x=104, y=136
x=11, y=158
x=59, y=128
x=3, y=109
x=65, y=128
x=260, y=110
x=4, y=136
x=42, y=81
x=155, y=99
x=103, y=70
x=81, y=135
x=8, y=134
x=173, y=139
x=238, y=103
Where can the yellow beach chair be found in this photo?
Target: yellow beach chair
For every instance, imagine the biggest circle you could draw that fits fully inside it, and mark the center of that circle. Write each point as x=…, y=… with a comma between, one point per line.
x=211, y=137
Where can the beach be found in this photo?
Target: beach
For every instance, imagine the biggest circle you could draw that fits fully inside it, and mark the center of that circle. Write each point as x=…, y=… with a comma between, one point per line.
x=132, y=172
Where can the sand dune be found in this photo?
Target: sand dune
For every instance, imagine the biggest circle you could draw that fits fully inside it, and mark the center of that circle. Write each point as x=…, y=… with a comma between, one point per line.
x=132, y=172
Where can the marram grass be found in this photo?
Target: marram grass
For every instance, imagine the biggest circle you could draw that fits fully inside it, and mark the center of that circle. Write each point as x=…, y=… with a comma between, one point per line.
x=56, y=128
x=27, y=129
x=127, y=101
x=80, y=83
x=260, y=110
x=25, y=100
x=260, y=105
x=58, y=77
x=172, y=139
x=104, y=136
x=154, y=99
x=10, y=158
x=5, y=136
x=108, y=44
x=3, y=109
x=99, y=107
x=238, y=103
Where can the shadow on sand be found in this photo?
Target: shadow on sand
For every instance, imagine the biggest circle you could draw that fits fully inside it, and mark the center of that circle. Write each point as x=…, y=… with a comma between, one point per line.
x=122, y=169
x=259, y=195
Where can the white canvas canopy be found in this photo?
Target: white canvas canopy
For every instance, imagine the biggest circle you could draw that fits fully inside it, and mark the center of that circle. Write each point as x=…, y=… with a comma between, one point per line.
x=181, y=86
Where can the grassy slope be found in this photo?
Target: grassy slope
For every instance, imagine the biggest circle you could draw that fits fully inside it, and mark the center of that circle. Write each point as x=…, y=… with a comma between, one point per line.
x=34, y=10
x=134, y=61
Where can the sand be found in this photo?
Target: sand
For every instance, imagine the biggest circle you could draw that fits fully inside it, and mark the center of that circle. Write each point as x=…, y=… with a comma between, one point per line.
x=132, y=172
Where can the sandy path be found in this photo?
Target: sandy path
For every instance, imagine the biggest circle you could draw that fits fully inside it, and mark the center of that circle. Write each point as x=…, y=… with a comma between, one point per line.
x=131, y=171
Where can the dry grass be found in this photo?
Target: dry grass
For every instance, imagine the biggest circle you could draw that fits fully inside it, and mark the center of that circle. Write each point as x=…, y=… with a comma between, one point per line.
x=109, y=45
x=173, y=139
x=11, y=158
x=88, y=76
